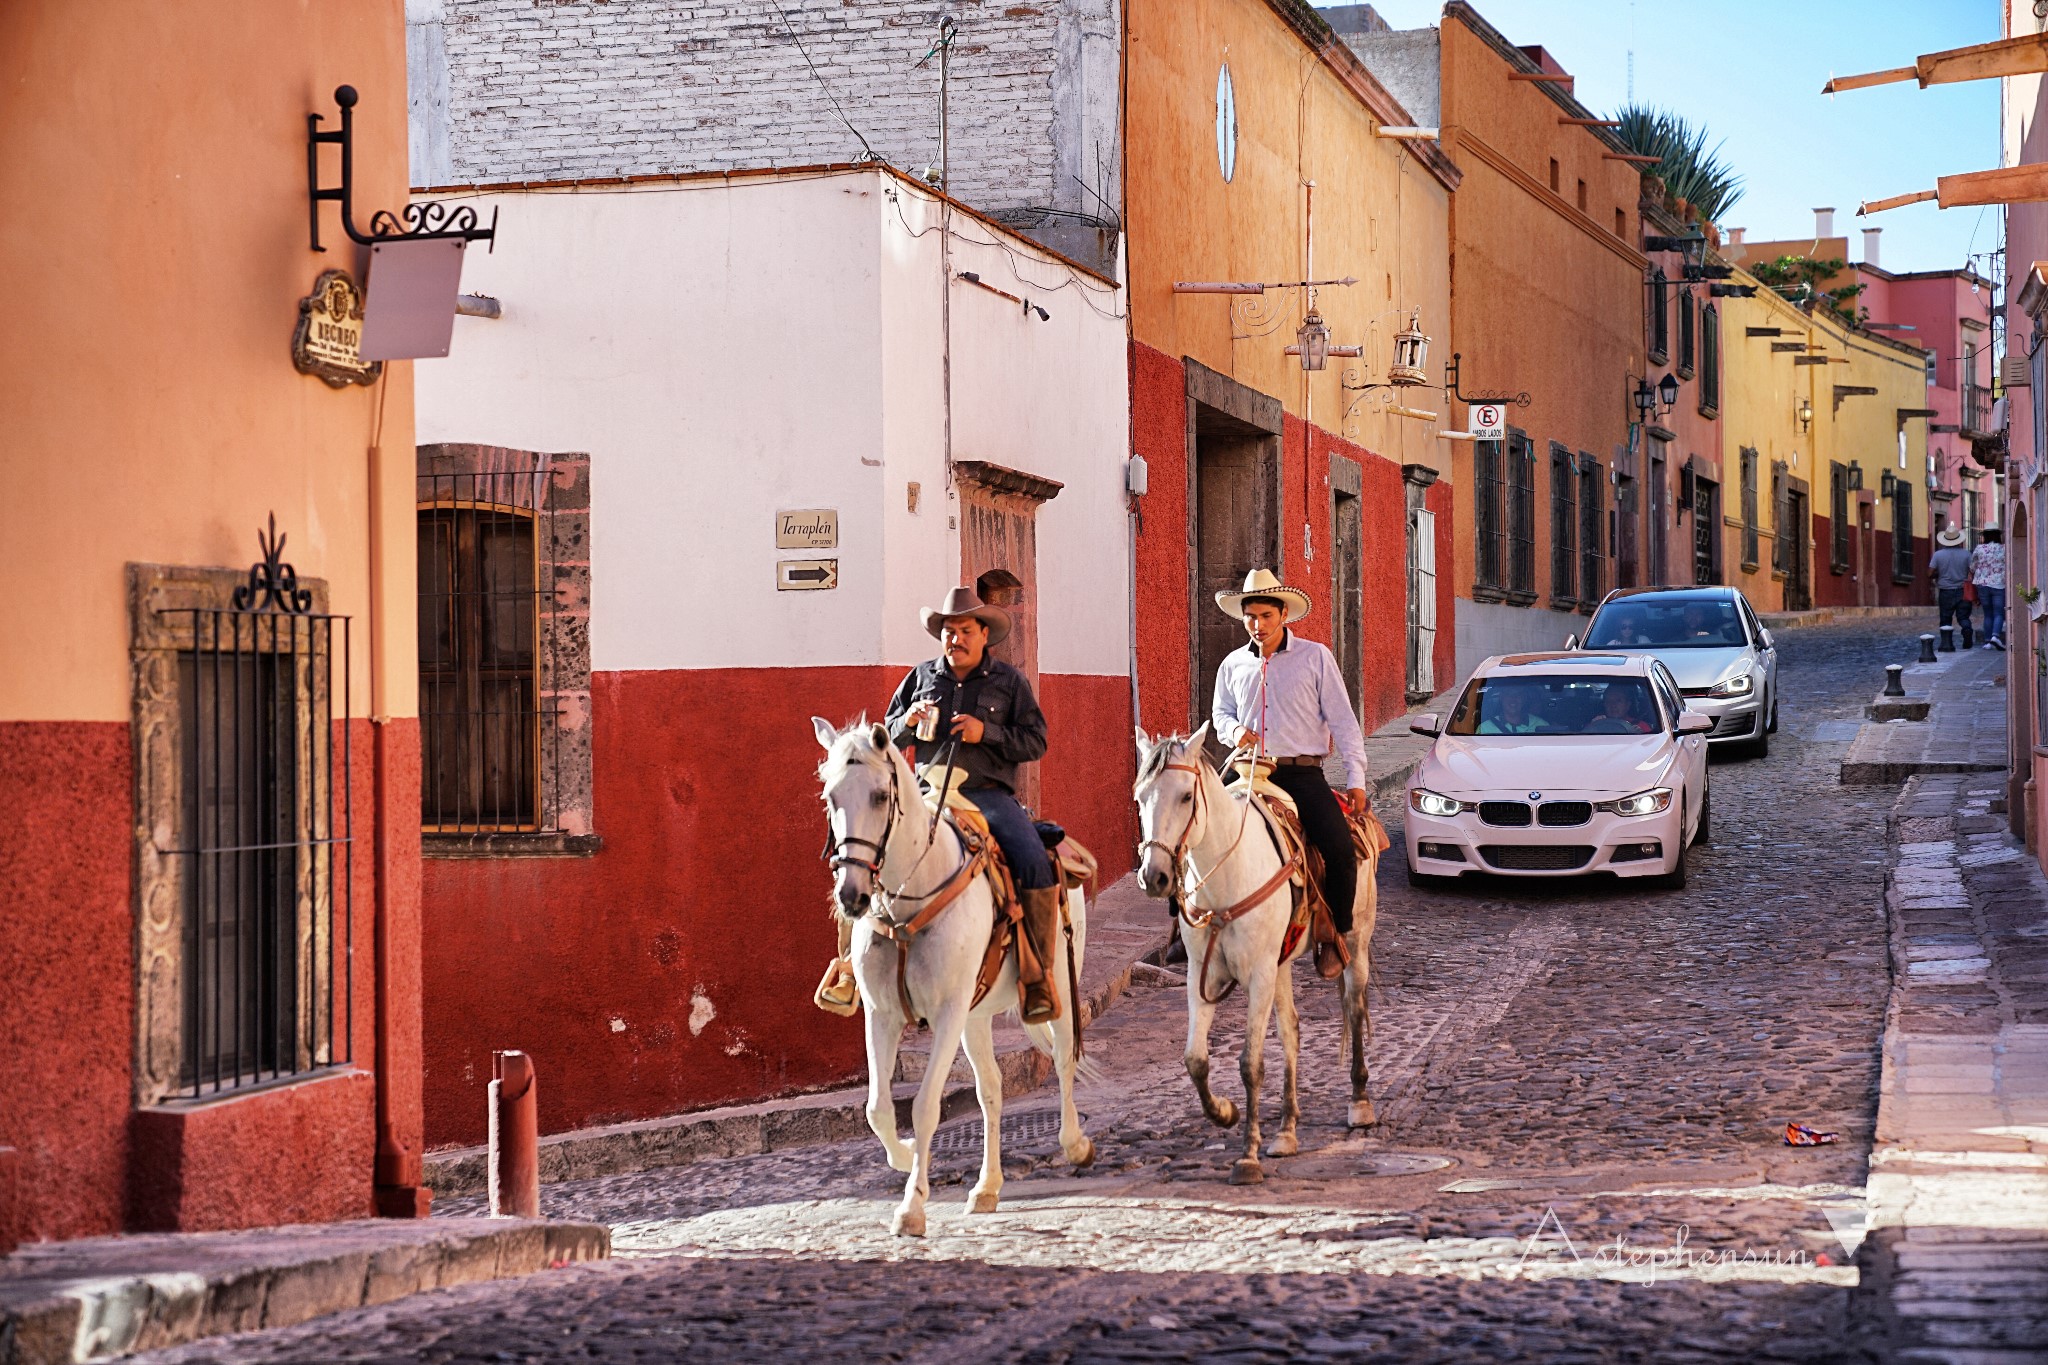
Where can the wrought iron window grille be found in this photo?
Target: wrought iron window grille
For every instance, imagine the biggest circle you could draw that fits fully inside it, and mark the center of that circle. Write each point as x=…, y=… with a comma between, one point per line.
x=264, y=836
x=428, y=220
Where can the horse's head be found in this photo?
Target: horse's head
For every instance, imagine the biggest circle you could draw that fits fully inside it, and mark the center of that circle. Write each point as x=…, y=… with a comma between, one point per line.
x=1170, y=806
x=863, y=798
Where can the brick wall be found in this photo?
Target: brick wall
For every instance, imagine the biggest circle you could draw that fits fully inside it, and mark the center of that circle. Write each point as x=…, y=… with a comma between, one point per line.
x=574, y=89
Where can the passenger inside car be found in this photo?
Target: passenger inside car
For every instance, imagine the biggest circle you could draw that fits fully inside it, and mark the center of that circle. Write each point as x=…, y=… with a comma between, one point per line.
x=1620, y=712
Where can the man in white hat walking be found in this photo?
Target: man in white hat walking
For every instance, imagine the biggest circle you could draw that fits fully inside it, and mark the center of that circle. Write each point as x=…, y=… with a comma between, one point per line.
x=983, y=711
x=1950, y=568
x=1286, y=697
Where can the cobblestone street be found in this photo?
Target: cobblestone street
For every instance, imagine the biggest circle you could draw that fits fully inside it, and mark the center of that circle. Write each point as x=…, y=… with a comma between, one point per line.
x=1570, y=1077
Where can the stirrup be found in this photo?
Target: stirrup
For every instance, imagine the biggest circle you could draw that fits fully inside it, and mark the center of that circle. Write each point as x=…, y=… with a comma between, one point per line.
x=837, y=991
x=1045, y=1016
x=1331, y=960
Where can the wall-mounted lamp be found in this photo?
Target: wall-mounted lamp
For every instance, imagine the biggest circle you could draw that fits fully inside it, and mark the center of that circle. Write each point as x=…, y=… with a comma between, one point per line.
x=1313, y=339
x=1804, y=412
x=1856, y=477
x=1888, y=485
x=1411, y=354
x=1657, y=401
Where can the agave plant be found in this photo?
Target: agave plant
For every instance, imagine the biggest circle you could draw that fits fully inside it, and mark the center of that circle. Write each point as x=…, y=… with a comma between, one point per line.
x=1689, y=169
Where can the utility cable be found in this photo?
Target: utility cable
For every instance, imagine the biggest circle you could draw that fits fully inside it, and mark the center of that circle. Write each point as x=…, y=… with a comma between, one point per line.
x=868, y=153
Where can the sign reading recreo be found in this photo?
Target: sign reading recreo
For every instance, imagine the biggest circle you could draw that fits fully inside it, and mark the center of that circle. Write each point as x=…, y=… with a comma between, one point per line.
x=1489, y=422
x=807, y=528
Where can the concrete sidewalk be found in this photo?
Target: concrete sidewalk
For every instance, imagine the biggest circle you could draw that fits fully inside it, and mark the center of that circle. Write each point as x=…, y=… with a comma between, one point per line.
x=102, y=1297
x=1958, y=1191
x=1964, y=730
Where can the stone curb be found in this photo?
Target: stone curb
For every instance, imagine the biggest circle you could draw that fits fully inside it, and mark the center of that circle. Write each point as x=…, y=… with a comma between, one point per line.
x=103, y=1297
x=1827, y=616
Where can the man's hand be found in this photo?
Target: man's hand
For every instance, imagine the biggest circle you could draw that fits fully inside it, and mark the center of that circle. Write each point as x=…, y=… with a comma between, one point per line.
x=1361, y=801
x=968, y=729
x=1248, y=740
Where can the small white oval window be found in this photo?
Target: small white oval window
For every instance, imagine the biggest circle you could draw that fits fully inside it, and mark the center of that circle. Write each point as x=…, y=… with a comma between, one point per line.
x=1226, y=123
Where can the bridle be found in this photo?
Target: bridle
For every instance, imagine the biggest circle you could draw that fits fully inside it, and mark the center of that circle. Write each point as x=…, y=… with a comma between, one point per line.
x=1182, y=895
x=881, y=897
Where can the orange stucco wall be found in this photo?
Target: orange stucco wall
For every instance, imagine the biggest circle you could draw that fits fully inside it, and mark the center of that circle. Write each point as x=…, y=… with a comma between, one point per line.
x=1379, y=216
x=1545, y=297
x=153, y=237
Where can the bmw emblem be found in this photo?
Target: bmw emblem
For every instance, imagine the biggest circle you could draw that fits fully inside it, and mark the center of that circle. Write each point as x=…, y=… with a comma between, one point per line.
x=1535, y=796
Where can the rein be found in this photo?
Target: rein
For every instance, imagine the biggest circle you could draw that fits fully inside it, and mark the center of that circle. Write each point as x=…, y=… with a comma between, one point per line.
x=1182, y=858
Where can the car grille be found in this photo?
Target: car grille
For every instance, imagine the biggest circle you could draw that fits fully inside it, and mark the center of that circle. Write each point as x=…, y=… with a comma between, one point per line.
x=1695, y=691
x=1503, y=812
x=1733, y=725
x=1537, y=857
x=1559, y=813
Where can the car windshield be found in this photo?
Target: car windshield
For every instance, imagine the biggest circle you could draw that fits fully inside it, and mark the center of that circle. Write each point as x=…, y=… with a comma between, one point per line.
x=1555, y=704
x=1667, y=623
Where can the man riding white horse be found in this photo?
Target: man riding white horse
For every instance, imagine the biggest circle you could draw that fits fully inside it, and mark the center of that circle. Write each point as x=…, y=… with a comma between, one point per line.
x=983, y=721
x=1284, y=697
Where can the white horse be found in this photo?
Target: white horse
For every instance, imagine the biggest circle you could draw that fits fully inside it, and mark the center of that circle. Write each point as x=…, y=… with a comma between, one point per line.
x=1203, y=843
x=890, y=862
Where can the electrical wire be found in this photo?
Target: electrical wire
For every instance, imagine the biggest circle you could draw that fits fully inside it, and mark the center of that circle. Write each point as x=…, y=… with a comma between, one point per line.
x=868, y=153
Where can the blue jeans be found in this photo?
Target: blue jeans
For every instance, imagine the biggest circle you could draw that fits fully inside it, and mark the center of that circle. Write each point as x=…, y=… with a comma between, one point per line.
x=1016, y=836
x=1954, y=609
x=1993, y=602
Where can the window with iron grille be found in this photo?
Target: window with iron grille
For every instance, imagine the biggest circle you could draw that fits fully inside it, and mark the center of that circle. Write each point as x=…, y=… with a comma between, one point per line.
x=1657, y=515
x=1902, y=532
x=1710, y=360
x=1781, y=518
x=1564, y=525
x=1659, y=326
x=1592, y=520
x=1627, y=568
x=1838, y=517
x=1751, y=531
x=503, y=652
x=1521, y=518
x=1685, y=334
x=244, y=944
x=1486, y=515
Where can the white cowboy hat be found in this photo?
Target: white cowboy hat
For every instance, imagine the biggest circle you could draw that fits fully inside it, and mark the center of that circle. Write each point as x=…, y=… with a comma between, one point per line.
x=1264, y=583
x=1953, y=536
x=963, y=602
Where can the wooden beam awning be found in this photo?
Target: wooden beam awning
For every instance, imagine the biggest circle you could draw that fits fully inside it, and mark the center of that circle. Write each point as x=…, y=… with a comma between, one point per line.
x=2019, y=56
x=2006, y=185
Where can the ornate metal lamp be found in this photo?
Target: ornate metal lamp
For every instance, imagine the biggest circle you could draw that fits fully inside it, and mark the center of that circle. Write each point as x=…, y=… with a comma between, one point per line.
x=1312, y=339
x=1411, y=353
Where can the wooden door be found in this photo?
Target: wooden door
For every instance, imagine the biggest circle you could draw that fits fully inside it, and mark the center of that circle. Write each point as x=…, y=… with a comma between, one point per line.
x=1236, y=524
x=999, y=560
x=1798, y=553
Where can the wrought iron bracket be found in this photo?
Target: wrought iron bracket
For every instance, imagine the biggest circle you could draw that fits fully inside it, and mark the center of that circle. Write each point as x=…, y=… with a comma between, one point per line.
x=422, y=222
x=1520, y=400
x=273, y=584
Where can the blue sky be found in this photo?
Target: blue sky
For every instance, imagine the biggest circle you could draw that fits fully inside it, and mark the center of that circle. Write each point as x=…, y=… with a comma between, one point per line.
x=1752, y=71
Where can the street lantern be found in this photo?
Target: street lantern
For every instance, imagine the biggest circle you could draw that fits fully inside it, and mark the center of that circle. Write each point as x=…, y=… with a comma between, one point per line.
x=1313, y=341
x=1804, y=414
x=1667, y=392
x=1654, y=402
x=1411, y=354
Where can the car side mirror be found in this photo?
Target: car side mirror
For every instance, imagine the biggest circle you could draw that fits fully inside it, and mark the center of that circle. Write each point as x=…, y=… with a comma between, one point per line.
x=1571, y=642
x=1691, y=722
x=1769, y=643
x=1426, y=724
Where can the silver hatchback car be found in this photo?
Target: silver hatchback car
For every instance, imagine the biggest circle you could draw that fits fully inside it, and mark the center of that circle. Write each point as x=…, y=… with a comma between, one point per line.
x=1709, y=637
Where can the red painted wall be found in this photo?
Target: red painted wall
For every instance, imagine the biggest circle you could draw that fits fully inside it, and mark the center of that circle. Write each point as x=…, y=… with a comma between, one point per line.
x=1159, y=433
x=709, y=889
x=67, y=967
x=1831, y=589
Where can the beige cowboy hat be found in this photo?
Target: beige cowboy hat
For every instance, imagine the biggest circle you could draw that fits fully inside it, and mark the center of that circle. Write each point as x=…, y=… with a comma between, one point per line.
x=964, y=602
x=1265, y=583
x=1952, y=537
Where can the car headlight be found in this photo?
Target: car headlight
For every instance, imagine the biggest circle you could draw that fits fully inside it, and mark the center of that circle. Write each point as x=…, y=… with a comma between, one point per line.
x=1741, y=685
x=1652, y=802
x=1429, y=803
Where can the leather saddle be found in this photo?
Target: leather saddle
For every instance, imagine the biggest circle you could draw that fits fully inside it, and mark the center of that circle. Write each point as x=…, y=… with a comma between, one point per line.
x=1311, y=912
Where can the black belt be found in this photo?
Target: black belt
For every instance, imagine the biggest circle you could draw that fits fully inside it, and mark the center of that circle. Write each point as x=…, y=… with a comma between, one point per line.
x=1301, y=760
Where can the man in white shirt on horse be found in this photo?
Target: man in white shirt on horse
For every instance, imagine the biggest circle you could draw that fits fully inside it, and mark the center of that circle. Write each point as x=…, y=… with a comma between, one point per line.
x=1284, y=697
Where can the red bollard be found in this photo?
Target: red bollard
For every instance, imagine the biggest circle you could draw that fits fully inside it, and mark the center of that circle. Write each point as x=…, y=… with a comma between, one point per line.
x=515, y=1137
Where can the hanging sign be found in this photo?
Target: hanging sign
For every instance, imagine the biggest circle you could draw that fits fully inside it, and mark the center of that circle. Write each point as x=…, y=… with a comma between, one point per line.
x=1489, y=422
x=810, y=528
x=329, y=339
x=806, y=575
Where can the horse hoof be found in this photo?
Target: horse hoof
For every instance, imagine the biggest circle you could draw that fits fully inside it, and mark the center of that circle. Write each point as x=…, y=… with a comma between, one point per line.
x=1362, y=1115
x=1246, y=1171
x=1225, y=1114
x=908, y=1224
x=984, y=1202
x=1287, y=1144
x=1082, y=1154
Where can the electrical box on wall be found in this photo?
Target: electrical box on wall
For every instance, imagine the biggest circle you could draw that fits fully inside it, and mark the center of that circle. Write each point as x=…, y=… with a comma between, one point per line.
x=1135, y=475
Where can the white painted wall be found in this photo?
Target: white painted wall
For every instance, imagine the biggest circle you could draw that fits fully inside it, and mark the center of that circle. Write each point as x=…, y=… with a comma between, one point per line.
x=724, y=351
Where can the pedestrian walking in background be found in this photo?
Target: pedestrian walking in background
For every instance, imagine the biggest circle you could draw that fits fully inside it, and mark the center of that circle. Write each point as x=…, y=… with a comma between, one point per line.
x=1950, y=566
x=1987, y=575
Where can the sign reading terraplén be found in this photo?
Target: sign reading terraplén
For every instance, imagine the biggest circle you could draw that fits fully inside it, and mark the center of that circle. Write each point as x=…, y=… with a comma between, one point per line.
x=809, y=528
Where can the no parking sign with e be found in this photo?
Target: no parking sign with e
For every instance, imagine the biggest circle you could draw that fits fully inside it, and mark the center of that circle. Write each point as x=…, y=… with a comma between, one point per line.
x=1489, y=422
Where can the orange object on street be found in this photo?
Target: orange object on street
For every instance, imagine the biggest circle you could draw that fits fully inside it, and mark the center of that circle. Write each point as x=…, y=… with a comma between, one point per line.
x=515, y=1137
x=1799, y=1135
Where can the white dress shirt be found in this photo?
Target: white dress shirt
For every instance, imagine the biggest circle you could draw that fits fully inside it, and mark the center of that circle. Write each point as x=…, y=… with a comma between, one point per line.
x=1295, y=699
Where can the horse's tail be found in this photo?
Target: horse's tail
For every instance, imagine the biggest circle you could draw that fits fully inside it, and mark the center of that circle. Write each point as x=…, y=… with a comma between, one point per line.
x=1044, y=1041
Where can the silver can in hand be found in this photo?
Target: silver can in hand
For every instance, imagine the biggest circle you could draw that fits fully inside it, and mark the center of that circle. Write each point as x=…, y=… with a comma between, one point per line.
x=928, y=724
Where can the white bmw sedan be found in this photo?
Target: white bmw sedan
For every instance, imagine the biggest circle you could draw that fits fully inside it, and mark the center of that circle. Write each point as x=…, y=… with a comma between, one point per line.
x=1560, y=764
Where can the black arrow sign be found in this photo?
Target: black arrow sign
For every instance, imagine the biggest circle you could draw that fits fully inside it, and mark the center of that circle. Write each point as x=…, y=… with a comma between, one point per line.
x=814, y=575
